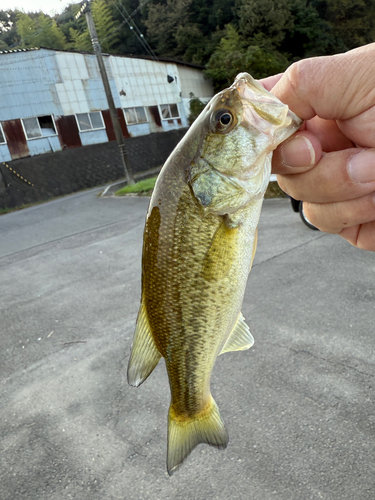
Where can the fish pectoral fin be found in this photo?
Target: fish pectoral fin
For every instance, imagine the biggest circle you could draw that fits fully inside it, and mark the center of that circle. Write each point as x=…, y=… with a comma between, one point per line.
x=220, y=255
x=185, y=433
x=240, y=339
x=144, y=353
x=254, y=248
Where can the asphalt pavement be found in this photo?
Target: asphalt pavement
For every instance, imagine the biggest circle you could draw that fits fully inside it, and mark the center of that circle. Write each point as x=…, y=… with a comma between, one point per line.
x=299, y=406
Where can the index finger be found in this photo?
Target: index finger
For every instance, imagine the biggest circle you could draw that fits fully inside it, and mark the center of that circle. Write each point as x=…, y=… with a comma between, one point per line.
x=269, y=82
x=333, y=87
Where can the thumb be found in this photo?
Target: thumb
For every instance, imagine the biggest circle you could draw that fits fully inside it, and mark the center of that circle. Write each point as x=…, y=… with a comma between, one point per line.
x=298, y=154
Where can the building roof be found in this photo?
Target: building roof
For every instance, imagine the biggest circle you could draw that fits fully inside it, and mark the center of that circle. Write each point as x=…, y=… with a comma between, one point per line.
x=130, y=56
x=18, y=50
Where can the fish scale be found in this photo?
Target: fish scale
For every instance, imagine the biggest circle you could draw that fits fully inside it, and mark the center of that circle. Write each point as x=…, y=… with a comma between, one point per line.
x=199, y=243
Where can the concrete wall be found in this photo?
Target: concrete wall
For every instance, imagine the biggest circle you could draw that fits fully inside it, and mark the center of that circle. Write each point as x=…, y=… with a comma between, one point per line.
x=71, y=170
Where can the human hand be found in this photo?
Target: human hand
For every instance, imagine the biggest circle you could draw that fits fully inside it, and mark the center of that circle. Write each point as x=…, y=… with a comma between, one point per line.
x=330, y=162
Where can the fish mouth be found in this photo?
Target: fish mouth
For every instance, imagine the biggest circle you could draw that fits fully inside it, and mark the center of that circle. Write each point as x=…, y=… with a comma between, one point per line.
x=246, y=80
x=243, y=76
x=270, y=111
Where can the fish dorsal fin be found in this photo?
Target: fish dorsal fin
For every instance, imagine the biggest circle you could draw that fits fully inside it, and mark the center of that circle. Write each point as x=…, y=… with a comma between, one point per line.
x=144, y=353
x=240, y=339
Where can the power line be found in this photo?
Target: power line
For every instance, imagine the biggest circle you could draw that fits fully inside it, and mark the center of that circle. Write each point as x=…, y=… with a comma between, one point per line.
x=113, y=31
x=139, y=7
x=140, y=34
x=137, y=32
x=127, y=20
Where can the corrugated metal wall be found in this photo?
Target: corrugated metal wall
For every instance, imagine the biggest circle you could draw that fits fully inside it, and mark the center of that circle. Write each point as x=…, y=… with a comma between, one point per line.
x=60, y=85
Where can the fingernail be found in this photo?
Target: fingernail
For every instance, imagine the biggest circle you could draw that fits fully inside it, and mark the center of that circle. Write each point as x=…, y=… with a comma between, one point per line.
x=298, y=152
x=361, y=166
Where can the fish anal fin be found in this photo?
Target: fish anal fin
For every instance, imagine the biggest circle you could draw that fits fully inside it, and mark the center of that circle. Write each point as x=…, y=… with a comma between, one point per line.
x=144, y=354
x=185, y=433
x=240, y=339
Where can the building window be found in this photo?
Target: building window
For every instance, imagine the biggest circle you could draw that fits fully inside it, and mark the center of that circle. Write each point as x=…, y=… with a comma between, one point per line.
x=169, y=111
x=2, y=136
x=135, y=115
x=39, y=126
x=90, y=121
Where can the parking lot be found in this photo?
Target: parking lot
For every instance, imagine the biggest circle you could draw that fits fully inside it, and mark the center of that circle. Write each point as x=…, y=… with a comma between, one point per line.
x=299, y=406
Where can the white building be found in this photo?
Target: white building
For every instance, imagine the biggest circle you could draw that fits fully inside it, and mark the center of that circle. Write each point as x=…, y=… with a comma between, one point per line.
x=52, y=100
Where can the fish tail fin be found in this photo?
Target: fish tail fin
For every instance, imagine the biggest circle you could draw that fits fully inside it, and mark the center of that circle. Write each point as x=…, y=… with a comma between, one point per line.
x=185, y=433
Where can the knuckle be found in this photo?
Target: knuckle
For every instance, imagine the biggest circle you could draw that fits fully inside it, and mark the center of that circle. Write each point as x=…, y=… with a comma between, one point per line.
x=320, y=217
x=308, y=77
x=301, y=74
x=365, y=239
x=311, y=213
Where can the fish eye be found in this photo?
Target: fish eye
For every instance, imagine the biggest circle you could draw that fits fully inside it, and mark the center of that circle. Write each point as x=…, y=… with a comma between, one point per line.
x=223, y=120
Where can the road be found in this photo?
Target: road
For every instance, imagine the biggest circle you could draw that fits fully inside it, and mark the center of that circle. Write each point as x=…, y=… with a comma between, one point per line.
x=299, y=406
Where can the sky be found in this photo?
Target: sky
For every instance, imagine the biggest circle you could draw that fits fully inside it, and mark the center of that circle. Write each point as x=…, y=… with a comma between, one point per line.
x=50, y=7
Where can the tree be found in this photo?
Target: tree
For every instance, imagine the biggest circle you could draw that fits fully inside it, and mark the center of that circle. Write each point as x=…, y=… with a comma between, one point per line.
x=26, y=28
x=266, y=19
x=353, y=21
x=41, y=31
x=50, y=34
x=310, y=35
x=105, y=27
x=232, y=56
x=67, y=22
x=128, y=37
x=269, y=34
x=105, y=24
x=187, y=29
x=8, y=30
x=196, y=107
x=163, y=22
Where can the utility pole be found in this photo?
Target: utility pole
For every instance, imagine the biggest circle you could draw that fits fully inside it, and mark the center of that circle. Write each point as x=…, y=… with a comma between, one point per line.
x=85, y=9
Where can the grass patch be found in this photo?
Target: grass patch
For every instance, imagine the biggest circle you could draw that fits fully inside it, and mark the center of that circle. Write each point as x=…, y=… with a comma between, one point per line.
x=146, y=186
x=274, y=191
x=141, y=187
x=7, y=210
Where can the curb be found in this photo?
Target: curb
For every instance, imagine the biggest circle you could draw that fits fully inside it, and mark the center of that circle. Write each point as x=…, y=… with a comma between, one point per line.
x=110, y=190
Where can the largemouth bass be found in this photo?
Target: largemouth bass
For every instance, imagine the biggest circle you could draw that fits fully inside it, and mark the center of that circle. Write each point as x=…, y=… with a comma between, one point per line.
x=199, y=244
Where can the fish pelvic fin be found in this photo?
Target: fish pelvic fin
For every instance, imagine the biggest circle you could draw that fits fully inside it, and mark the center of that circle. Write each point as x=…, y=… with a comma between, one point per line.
x=240, y=339
x=144, y=354
x=185, y=433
